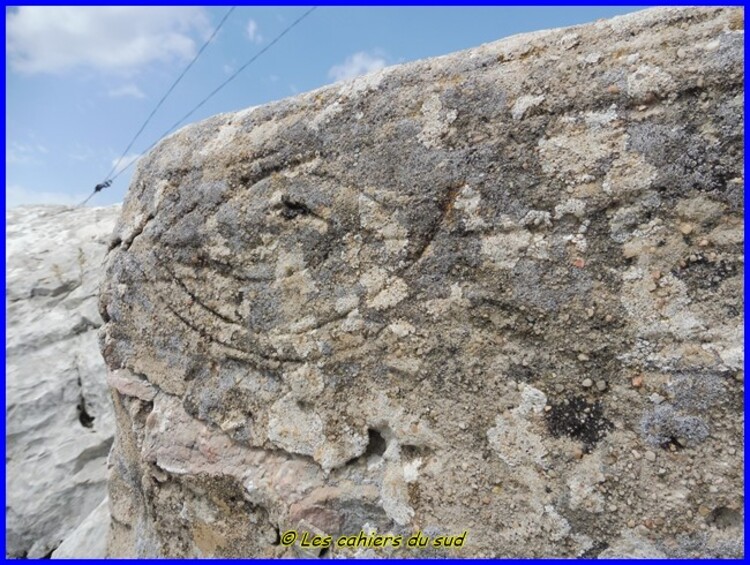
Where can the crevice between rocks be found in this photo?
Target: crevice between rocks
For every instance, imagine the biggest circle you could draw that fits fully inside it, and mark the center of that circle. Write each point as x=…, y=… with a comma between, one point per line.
x=86, y=420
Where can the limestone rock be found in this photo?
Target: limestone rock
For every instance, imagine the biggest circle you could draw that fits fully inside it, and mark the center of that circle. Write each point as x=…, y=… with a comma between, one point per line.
x=59, y=419
x=89, y=539
x=372, y=306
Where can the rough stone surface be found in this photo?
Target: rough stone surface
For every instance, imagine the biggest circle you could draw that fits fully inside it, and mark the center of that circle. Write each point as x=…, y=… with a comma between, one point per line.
x=58, y=413
x=89, y=539
x=372, y=306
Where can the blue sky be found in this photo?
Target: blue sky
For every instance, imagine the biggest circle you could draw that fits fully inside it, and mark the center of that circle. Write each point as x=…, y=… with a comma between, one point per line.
x=80, y=81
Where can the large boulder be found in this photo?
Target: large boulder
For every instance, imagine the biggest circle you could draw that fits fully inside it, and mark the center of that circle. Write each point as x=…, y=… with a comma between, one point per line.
x=58, y=412
x=497, y=292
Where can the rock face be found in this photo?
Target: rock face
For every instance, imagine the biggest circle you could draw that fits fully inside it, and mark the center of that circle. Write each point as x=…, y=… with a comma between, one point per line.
x=497, y=292
x=58, y=413
x=89, y=539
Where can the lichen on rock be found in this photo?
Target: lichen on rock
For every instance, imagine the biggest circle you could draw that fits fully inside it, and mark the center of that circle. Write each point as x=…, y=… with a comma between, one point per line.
x=420, y=300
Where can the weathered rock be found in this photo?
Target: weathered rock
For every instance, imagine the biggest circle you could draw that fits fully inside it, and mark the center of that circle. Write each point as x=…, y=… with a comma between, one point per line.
x=59, y=418
x=89, y=539
x=372, y=306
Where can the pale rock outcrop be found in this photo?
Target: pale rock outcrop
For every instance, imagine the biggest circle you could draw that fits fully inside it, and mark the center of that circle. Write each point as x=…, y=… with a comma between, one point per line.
x=448, y=296
x=89, y=539
x=58, y=412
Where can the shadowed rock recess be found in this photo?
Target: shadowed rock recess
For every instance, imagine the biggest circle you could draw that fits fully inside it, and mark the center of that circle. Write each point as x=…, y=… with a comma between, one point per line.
x=497, y=292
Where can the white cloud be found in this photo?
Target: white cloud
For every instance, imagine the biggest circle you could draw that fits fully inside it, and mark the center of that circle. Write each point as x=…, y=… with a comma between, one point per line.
x=24, y=153
x=16, y=195
x=358, y=64
x=55, y=39
x=126, y=161
x=81, y=152
x=253, y=32
x=126, y=90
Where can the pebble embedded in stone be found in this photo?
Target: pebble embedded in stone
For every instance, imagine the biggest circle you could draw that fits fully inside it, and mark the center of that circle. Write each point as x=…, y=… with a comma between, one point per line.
x=686, y=229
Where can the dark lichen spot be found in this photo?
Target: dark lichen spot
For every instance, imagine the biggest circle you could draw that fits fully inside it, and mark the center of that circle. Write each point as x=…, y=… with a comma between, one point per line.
x=291, y=209
x=705, y=274
x=724, y=517
x=579, y=419
x=409, y=452
x=520, y=373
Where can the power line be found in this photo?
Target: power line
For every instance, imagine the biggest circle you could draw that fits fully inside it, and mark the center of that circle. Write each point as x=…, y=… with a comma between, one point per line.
x=222, y=85
x=168, y=92
x=87, y=199
x=255, y=57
